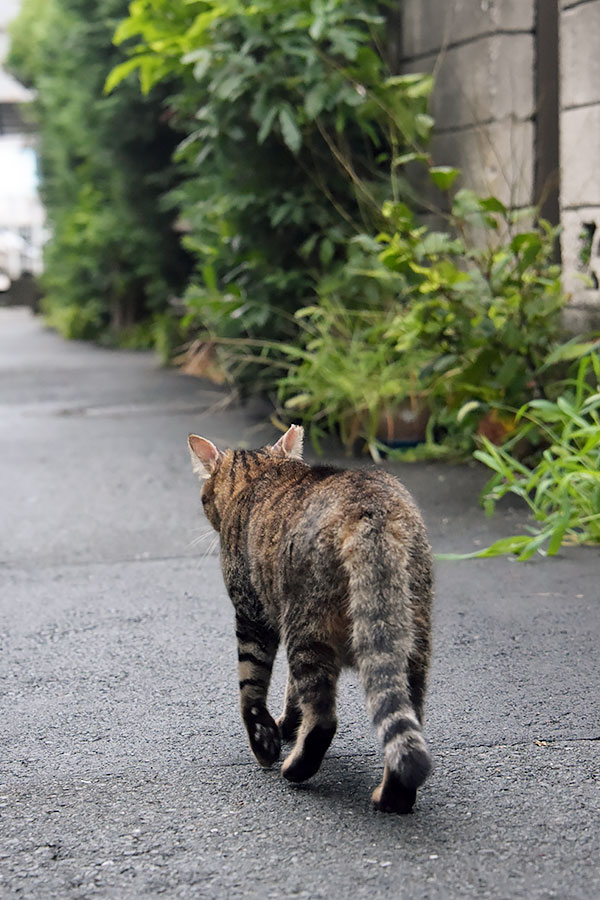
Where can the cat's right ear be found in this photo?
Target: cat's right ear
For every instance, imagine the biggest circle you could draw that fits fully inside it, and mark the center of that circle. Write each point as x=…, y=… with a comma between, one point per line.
x=204, y=455
x=290, y=443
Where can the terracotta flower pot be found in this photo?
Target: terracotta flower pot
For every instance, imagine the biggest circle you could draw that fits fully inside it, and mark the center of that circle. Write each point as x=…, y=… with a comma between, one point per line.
x=404, y=425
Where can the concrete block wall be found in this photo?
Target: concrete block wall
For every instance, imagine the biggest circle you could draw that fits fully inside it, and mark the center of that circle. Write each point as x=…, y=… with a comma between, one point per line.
x=482, y=53
x=487, y=60
x=580, y=151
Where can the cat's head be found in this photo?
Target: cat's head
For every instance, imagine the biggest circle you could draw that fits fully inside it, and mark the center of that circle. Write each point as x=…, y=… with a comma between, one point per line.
x=226, y=472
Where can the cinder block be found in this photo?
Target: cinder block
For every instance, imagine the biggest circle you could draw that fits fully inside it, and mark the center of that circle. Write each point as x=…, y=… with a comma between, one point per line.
x=582, y=314
x=580, y=156
x=491, y=78
x=580, y=54
x=495, y=159
x=428, y=25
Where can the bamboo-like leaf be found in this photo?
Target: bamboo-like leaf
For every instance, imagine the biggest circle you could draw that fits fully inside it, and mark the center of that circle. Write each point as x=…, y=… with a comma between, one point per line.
x=120, y=72
x=573, y=349
x=466, y=409
x=557, y=537
x=300, y=401
x=516, y=545
x=267, y=125
x=289, y=129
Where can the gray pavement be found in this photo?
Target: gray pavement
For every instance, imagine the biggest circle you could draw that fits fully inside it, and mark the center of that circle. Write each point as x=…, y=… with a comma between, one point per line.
x=124, y=770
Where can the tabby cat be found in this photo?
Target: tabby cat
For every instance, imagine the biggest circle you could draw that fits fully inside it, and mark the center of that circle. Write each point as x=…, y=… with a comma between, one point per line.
x=337, y=565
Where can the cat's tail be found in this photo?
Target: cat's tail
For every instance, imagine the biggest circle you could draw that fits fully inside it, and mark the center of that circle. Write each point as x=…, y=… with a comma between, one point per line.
x=384, y=640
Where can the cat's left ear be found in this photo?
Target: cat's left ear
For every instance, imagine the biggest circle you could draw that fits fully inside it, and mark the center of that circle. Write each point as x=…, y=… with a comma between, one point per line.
x=290, y=443
x=204, y=455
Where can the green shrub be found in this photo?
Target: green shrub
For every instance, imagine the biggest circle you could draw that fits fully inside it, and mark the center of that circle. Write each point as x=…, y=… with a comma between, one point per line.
x=294, y=123
x=459, y=321
x=349, y=377
x=76, y=321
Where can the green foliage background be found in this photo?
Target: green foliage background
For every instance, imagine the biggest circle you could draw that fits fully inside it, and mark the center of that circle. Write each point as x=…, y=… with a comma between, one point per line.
x=288, y=149
x=113, y=259
x=280, y=137
x=314, y=270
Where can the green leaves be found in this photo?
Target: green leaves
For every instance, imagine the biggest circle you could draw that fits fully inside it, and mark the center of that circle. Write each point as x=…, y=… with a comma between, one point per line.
x=414, y=85
x=443, y=176
x=519, y=544
x=466, y=408
x=573, y=349
x=120, y=72
x=316, y=99
x=289, y=122
x=289, y=129
x=493, y=308
x=267, y=124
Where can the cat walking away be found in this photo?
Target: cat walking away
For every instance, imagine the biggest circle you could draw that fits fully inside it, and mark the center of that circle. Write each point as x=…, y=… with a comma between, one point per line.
x=335, y=564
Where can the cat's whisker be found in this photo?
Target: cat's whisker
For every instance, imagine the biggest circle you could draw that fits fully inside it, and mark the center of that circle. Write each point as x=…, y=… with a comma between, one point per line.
x=210, y=548
x=200, y=538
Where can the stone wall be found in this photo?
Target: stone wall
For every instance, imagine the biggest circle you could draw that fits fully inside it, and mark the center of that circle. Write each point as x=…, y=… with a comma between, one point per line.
x=482, y=53
x=580, y=150
x=490, y=58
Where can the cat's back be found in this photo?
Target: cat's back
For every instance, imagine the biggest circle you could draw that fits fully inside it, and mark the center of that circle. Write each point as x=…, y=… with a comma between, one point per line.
x=349, y=492
x=307, y=526
x=318, y=505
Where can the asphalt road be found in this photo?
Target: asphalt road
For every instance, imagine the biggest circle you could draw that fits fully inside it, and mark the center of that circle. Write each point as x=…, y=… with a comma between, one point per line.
x=124, y=768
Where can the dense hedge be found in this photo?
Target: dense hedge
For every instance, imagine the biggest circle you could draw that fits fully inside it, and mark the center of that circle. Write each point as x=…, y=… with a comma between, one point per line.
x=293, y=123
x=287, y=122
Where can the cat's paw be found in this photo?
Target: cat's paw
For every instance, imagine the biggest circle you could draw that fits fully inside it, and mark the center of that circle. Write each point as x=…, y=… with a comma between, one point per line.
x=306, y=757
x=393, y=798
x=263, y=735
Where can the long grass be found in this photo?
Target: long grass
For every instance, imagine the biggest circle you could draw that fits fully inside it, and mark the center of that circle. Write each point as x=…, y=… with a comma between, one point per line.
x=562, y=488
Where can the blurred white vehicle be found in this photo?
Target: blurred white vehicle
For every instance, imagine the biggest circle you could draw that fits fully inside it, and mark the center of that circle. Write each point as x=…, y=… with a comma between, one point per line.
x=22, y=232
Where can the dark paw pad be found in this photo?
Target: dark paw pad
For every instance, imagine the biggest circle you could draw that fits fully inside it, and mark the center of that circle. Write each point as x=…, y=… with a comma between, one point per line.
x=263, y=735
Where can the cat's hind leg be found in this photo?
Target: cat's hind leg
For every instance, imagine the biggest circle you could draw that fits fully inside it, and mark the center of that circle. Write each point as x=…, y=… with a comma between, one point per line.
x=315, y=671
x=257, y=646
x=291, y=717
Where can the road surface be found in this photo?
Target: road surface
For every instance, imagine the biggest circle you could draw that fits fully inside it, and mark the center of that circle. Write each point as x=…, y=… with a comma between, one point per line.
x=123, y=765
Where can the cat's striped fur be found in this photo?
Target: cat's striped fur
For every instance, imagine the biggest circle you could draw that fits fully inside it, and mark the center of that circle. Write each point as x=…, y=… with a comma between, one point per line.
x=337, y=565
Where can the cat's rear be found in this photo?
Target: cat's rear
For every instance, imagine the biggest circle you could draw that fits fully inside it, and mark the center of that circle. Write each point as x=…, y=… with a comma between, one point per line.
x=354, y=558
x=337, y=565
x=387, y=557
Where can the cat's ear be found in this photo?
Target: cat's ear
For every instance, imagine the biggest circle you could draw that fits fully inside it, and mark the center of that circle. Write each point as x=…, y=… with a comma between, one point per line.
x=204, y=455
x=290, y=443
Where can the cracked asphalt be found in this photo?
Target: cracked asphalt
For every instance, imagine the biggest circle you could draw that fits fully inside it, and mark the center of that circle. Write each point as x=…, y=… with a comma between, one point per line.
x=124, y=770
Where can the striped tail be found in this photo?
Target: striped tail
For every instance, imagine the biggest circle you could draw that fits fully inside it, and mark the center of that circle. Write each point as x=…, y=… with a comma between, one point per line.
x=383, y=640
